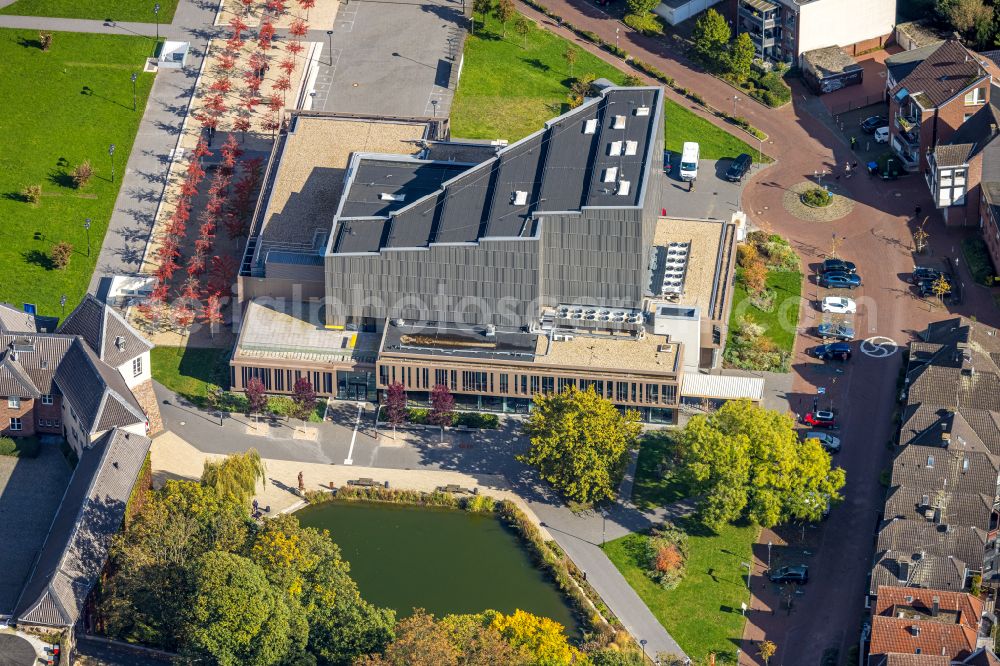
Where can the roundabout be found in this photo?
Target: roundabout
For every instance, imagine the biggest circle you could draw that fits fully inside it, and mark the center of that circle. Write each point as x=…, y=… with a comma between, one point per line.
x=840, y=205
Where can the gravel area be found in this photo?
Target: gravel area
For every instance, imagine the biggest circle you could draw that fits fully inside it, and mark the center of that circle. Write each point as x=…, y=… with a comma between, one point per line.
x=704, y=237
x=838, y=208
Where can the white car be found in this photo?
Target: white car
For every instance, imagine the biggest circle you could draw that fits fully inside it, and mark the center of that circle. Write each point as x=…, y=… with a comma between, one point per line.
x=882, y=135
x=828, y=441
x=838, y=305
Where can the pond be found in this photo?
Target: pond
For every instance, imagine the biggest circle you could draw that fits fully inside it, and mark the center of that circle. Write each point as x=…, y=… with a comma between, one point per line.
x=442, y=560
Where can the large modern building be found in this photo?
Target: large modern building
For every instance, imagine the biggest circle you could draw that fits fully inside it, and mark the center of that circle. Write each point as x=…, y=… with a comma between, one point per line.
x=382, y=252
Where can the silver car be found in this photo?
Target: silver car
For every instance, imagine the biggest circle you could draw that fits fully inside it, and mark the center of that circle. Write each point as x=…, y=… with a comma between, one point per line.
x=828, y=441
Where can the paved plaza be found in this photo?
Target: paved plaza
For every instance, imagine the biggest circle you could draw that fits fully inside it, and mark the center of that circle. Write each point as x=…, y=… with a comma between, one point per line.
x=31, y=490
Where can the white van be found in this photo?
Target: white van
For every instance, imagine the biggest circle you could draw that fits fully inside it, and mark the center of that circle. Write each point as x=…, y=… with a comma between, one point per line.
x=689, y=161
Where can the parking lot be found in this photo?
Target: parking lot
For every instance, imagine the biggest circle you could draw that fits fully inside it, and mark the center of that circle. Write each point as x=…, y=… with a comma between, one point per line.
x=395, y=62
x=713, y=197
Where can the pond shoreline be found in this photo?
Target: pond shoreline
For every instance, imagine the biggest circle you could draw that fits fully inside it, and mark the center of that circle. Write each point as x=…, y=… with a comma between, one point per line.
x=591, y=615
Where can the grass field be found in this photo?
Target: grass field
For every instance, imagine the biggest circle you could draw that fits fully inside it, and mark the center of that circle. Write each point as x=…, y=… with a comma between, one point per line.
x=62, y=107
x=508, y=90
x=780, y=323
x=140, y=11
x=655, y=484
x=190, y=372
x=703, y=612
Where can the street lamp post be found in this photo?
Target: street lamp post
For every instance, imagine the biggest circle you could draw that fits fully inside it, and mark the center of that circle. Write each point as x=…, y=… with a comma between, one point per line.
x=749, y=568
x=111, y=154
x=156, y=13
x=329, y=39
x=434, y=105
x=642, y=642
x=135, y=76
x=604, y=527
x=86, y=225
x=769, y=556
x=736, y=98
x=616, y=38
x=62, y=302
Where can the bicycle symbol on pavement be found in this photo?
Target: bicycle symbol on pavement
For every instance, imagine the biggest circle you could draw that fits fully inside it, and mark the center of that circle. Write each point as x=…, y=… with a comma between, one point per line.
x=879, y=346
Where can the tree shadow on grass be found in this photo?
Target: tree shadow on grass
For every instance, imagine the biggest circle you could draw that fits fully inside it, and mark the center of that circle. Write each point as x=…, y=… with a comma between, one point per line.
x=16, y=196
x=38, y=258
x=61, y=178
x=29, y=43
x=536, y=63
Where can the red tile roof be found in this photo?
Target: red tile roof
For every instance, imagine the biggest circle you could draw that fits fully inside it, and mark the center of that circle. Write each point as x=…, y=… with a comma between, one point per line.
x=952, y=634
x=970, y=607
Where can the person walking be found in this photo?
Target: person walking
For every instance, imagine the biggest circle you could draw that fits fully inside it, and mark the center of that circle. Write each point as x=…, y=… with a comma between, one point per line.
x=854, y=142
x=847, y=170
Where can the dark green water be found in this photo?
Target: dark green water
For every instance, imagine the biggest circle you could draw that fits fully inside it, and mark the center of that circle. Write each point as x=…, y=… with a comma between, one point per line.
x=443, y=560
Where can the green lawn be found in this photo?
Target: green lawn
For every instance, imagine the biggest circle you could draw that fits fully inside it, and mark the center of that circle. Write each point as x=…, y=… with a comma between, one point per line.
x=508, y=91
x=655, y=484
x=62, y=107
x=190, y=372
x=140, y=11
x=703, y=612
x=780, y=323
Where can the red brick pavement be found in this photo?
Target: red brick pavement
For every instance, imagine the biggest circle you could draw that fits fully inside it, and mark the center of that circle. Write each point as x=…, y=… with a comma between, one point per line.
x=877, y=236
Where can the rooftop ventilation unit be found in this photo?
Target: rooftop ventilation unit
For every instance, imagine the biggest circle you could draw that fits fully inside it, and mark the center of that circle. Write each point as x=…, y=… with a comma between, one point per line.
x=610, y=174
x=675, y=268
x=631, y=147
x=642, y=111
x=386, y=196
x=624, y=187
x=619, y=122
x=519, y=198
x=590, y=126
x=615, y=148
x=491, y=331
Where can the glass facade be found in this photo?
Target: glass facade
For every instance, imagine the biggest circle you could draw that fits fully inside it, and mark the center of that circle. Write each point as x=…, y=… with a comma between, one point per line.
x=356, y=386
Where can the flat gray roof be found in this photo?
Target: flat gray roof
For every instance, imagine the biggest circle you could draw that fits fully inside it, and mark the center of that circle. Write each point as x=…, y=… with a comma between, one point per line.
x=379, y=186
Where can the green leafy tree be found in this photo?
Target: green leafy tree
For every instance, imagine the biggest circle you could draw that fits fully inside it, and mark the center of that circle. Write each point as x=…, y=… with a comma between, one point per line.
x=642, y=7
x=741, y=57
x=235, y=476
x=483, y=8
x=711, y=35
x=522, y=26
x=571, y=55
x=505, y=11
x=420, y=641
x=965, y=15
x=238, y=618
x=631, y=80
x=746, y=462
x=580, y=443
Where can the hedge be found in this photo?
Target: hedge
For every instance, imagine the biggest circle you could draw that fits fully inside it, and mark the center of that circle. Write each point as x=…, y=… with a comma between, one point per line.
x=20, y=447
x=977, y=256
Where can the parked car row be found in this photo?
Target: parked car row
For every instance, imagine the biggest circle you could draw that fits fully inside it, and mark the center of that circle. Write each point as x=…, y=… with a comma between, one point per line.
x=930, y=282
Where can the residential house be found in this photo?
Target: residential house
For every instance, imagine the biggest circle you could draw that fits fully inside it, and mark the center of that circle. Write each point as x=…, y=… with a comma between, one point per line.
x=782, y=30
x=931, y=623
x=79, y=383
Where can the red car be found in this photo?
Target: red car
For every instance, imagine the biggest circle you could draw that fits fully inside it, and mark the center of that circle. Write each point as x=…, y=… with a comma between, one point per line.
x=820, y=419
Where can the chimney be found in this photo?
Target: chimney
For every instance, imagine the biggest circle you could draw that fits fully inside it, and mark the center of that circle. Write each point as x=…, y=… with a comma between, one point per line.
x=915, y=630
x=993, y=129
x=935, y=606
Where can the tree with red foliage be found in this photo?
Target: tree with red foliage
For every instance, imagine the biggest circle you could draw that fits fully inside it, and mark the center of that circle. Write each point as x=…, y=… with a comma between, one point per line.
x=221, y=85
x=194, y=171
x=242, y=125
x=247, y=6
x=183, y=314
x=222, y=274
x=191, y=291
x=256, y=397
x=238, y=26
x=211, y=313
x=395, y=405
x=265, y=35
x=295, y=48
x=235, y=44
x=250, y=102
x=287, y=66
x=258, y=63
x=246, y=186
x=231, y=152
x=283, y=85
x=304, y=398
x=215, y=104
x=201, y=150
x=298, y=28
x=307, y=5
x=275, y=103
x=196, y=265
x=189, y=188
x=277, y=7
x=442, y=407
x=159, y=294
x=165, y=271
x=227, y=63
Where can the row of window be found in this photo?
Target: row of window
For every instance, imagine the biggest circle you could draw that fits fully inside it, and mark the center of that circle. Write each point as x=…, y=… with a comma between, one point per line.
x=14, y=402
x=471, y=381
x=49, y=423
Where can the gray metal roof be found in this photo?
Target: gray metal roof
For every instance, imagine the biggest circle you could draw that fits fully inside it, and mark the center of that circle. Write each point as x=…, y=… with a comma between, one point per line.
x=14, y=380
x=76, y=548
x=453, y=340
x=562, y=167
x=96, y=391
x=901, y=64
x=375, y=184
x=12, y=319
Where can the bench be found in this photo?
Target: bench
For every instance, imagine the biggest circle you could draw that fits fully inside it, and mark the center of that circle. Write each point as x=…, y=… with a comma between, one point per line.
x=366, y=482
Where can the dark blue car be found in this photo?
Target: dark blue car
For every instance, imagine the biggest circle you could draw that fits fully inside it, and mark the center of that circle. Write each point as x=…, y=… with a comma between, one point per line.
x=839, y=280
x=837, y=351
x=841, y=331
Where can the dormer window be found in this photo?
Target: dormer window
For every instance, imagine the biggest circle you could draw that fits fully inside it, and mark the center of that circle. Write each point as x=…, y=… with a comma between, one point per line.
x=519, y=197
x=619, y=122
x=386, y=196
x=624, y=187
x=615, y=148
x=631, y=147
x=120, y=343
x=590, y=126
x=642, y=111
x=610, y=174
x=930, y=462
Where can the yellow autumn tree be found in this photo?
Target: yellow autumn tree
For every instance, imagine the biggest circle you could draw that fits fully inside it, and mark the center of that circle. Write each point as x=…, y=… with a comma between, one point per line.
x=542, y=637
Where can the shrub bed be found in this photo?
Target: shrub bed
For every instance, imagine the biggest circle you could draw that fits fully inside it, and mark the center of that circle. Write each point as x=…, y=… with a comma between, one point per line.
x=816, y=197
x=419, y=416
x=977, y=257
x=19, y=447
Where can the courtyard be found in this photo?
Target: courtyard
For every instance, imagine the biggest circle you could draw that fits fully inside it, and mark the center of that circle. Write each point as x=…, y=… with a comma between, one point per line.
x=31, y=490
